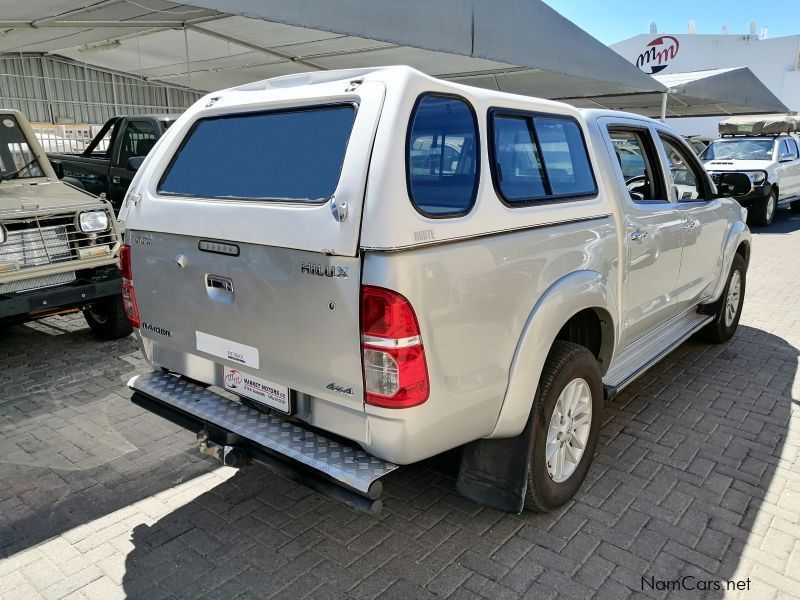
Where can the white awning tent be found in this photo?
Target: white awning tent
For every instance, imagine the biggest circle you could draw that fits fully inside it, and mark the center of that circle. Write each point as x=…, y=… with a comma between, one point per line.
x=733, y=91
x=520, y=46
x=513, y=45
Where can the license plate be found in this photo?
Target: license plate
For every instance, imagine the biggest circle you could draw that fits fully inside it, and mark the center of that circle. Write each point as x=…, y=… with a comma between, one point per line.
x=265, y=392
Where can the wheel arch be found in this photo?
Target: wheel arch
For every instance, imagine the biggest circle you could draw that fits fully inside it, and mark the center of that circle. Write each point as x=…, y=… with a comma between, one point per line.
x=575, y=308
x=737, y=242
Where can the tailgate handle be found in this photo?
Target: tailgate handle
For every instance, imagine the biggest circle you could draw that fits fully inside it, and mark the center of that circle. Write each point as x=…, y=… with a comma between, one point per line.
x=219, y=283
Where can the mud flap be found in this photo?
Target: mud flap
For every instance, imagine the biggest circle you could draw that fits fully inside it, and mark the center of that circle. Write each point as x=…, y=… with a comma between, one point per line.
x=495, y=472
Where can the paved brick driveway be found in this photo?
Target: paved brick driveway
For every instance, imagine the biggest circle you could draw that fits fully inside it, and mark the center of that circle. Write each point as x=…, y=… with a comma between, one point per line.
x=697, y=474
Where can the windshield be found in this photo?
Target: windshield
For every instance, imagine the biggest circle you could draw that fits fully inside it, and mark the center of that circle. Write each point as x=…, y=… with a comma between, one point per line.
x=739, y=150
x=17, y=160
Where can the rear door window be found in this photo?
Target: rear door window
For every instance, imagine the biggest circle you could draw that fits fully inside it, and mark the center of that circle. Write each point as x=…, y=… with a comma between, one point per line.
x=538, y=158
x=441, y=156
x=293, y=155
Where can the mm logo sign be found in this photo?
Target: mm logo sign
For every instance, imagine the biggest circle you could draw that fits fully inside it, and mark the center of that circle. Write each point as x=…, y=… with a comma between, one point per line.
x=658, y=54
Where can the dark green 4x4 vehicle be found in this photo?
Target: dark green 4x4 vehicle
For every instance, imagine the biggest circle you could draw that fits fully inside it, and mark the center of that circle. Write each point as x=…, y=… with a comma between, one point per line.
x=59, y=245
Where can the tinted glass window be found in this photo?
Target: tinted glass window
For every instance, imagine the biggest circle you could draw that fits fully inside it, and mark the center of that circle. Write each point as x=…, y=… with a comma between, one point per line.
x=442, y=156
x=536, y=158
x=517, y=162
x=293, y=155
x=564, y=157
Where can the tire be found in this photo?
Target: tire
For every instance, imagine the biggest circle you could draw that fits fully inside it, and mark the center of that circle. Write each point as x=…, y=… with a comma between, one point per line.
x=763, y=210
x=107, y=319
x=725, y=322
x=795, y=206
x=568, y=365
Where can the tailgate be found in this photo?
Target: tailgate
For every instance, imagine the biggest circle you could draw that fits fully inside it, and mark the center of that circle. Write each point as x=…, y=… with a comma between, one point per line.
x=244, y=243
x=273, y=313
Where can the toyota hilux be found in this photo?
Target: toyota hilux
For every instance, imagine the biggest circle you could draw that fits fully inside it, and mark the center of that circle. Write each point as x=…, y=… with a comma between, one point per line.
x=767, y=150
x=391, y=266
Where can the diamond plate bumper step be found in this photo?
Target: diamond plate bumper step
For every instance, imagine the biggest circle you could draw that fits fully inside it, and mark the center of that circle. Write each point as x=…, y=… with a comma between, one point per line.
x=349, y=467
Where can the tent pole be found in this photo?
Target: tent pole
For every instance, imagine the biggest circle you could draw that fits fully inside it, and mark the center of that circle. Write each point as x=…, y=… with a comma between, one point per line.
x=664, y=97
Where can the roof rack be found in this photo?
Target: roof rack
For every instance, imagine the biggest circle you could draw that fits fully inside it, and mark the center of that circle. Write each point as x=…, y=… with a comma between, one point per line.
x=764, y=135
x=764, y=125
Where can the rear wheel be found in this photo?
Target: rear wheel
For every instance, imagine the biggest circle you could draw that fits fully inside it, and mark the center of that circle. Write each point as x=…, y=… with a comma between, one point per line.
x=763, y=211
x=728, y=309
x=107, y=319
x=569, y=408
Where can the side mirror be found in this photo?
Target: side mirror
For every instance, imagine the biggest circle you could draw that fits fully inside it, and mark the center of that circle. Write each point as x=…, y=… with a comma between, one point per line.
x=58, y=167
x=734, y=184
x=134, y=162
x=786, y=157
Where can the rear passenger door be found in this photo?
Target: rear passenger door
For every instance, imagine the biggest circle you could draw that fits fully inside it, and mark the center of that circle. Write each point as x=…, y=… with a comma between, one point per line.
x=653, y=229
x=704, y=224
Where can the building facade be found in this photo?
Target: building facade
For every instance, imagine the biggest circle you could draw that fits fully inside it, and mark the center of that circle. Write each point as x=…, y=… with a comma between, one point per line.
x=775, y=61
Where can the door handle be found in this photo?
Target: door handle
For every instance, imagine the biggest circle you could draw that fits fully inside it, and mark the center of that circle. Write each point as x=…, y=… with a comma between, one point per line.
x=691, y=224
x=115, y=179
x=219, y=282
x=637, y=236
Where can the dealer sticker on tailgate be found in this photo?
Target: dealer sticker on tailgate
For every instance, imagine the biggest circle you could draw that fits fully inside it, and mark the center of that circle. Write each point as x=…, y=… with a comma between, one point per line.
x=271, y=394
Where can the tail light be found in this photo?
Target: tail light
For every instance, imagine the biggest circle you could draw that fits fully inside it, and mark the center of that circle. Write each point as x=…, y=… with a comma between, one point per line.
x=395, y=371
x=128, y=295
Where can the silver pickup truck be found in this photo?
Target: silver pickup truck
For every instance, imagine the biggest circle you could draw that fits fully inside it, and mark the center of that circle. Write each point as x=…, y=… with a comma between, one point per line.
x=338, y=273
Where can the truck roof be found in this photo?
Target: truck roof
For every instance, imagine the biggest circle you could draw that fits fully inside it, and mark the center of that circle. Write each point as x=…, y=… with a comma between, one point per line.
x=391, y=76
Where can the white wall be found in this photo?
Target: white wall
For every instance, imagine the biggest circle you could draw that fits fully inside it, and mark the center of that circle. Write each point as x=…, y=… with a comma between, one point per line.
x=774, y=61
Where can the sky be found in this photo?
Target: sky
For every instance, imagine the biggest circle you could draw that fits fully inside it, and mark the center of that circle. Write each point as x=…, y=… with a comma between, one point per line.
x=613, y=20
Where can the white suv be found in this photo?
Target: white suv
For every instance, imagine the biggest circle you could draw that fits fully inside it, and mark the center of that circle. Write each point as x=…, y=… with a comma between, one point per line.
x=772, y=162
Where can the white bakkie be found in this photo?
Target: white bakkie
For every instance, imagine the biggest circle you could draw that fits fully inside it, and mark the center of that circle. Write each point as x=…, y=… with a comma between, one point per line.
x=767, y=150
x=390, y=266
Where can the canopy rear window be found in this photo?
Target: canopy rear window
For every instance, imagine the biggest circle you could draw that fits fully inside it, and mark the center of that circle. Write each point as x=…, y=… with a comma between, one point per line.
x=292, y=155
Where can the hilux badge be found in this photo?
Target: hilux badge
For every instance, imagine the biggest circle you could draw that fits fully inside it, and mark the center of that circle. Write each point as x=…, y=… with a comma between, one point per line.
x=324, y=270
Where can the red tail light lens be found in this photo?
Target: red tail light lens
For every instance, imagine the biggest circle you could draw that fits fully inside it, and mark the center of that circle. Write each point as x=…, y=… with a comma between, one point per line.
x=125, y=261
x=129, y=304
x=128, y=295
x=395, y=371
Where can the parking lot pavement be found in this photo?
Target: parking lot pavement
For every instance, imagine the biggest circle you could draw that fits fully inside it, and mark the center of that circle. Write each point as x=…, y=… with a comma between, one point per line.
x=697, y=480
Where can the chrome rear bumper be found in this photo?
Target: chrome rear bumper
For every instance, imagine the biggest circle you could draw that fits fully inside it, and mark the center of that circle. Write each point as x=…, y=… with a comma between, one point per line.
x=347, y=466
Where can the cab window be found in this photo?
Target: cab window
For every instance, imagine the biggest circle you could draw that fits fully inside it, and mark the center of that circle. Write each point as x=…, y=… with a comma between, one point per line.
x=441, y=156
x=137, y=140
x=687, y=175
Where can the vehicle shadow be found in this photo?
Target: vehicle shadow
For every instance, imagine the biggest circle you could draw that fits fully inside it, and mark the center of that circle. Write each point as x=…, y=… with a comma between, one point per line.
x=72, y=446
x=684, y=479
x=785, y=222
